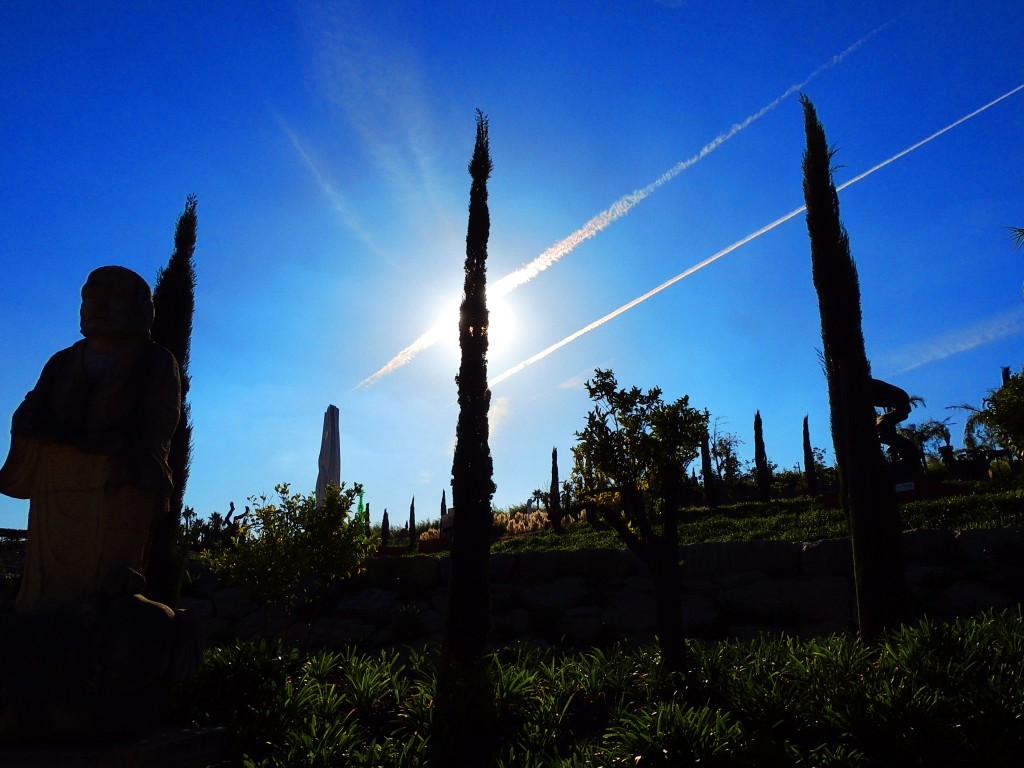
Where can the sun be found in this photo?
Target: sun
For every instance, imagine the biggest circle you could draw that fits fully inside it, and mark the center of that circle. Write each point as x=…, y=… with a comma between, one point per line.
x=501, y=331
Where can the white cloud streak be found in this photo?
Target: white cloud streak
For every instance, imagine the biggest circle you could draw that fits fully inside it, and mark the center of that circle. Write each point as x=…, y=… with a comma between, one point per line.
x=616, y=211
x=956, y=342
x=752, y=236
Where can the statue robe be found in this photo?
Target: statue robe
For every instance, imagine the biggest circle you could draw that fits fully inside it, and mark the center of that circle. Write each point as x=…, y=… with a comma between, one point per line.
x=89, y=448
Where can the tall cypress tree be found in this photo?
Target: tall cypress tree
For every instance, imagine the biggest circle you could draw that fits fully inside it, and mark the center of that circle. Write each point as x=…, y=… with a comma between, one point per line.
x=412, y=524
x=865, y=489
x=385, y=529
x=174, y=304
x=707, y=474
x=465, y=704
x=554, y=495
x=762, y=472
x=810, y=468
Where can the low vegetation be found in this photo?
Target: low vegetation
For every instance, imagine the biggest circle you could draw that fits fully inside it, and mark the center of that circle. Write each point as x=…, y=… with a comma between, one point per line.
x=791, y=520
x=929, y=695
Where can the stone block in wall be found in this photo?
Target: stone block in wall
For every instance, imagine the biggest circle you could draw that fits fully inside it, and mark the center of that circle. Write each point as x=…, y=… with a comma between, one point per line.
x=628, y=612
x=639, y=583
x=738, y=579
x=790, y=603
x=545, y=566
x=380, y=570
x=604, y=564
x=702, y=587
x=559, y=595
x=928, y=546
x=366, y=603
x=930, y=578
x=985, y=543
x=778, y=559
x=700, y=615
x=967, y=597
x=828, y=557
x=421, y=571
x=502, y=567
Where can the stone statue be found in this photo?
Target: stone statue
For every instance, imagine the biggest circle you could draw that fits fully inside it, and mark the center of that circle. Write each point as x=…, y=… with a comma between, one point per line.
x=89, y=446
x=85, y=654
x=896, y=406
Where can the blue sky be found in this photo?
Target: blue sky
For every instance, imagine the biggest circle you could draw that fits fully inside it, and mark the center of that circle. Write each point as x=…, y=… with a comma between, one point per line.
x=328, y=144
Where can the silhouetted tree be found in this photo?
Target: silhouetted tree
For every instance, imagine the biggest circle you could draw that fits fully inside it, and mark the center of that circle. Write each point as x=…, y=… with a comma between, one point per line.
x=707, y=474
x=762, y=472
x=554, y=495
x=465, y=713
x=174, y=304
x=412, y=524
x=638, y=449
x=810, y=468
x=444, y=504
x=866, y=490
x=385, y=530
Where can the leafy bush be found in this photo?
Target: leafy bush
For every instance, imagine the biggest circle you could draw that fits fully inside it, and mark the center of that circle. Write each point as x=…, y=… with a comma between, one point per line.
x=287, y=552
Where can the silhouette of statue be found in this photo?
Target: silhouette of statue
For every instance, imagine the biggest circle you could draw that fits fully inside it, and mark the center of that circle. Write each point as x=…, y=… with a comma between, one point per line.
x=89, y=446
x=896, y=405
x=85, y=654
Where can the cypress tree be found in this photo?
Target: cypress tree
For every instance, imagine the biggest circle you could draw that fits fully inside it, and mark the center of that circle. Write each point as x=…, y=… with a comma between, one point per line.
x=554, y=495
x=865, y=489
x=412, y=524
x=385, y=530
x=762, y=472
x=444, y=504
x=174, y=305
x=810, y=469
x=706, y=472
x=465, y=702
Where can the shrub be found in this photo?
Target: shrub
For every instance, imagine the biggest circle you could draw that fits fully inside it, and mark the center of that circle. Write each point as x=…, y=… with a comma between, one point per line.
x=286, y=552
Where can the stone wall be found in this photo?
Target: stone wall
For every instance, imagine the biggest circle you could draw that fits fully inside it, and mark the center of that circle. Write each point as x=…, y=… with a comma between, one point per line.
x=734, y=589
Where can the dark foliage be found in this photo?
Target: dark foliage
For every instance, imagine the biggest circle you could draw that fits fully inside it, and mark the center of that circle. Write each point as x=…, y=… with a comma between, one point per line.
x=810, y=468
x=555, y=495
x=637, y=450
x=174, y=304
x=866, y=491
x=463, y=734
x=762, y=472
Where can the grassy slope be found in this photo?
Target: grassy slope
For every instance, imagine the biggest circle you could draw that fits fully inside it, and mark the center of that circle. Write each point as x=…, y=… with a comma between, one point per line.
x=793, y=520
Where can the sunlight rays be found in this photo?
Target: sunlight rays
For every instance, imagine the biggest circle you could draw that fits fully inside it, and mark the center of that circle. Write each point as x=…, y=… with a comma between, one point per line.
x=613, y=213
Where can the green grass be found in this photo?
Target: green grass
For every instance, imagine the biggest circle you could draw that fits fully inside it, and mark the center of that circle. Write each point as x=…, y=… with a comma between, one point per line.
x=929, y=695
x=792, y=520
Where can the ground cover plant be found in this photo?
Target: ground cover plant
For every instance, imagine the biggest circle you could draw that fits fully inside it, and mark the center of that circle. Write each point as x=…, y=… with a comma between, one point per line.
x=928, y=695
x=790, y=520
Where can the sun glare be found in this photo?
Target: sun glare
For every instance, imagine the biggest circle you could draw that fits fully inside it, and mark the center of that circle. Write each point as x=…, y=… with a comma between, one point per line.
x=500, y=335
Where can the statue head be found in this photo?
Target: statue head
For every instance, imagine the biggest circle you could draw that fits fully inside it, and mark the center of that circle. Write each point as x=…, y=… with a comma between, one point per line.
x=116, y=305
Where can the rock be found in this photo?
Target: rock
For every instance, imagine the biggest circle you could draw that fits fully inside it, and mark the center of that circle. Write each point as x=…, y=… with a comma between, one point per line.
x=779, y=559
x=786, y=603
x=561, y=595
x=928, y=546
x=828, y=557
x=628, y=612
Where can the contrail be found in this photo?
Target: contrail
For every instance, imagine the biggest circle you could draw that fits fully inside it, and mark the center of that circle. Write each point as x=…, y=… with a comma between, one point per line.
x=767, y=228
x=612, y=214
x=625, y=204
